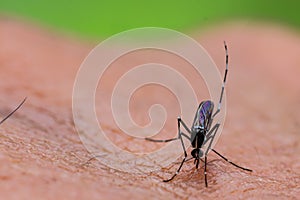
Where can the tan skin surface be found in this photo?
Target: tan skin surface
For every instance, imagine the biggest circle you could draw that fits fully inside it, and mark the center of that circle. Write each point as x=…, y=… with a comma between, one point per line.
x=42, y=156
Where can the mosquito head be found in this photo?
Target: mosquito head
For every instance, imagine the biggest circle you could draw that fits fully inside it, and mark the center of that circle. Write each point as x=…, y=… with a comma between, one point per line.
x=197, y=153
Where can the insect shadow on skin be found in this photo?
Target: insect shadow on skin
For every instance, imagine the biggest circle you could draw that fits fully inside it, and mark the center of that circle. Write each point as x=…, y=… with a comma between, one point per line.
x=201, y=132
x=12, y=112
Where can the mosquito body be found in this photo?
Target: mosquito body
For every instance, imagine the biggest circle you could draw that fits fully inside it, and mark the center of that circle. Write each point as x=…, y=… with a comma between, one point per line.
x=12, y=112
x=202, y=132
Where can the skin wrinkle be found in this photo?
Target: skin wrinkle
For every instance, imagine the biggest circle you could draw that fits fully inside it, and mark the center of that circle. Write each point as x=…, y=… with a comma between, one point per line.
x=42, y=156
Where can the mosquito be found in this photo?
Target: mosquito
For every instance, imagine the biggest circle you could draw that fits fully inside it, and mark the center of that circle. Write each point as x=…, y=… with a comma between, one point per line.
x=201, y=132
x=12, y=112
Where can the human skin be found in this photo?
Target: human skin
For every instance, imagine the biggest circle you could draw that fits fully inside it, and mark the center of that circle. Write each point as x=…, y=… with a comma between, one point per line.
x=42, y=156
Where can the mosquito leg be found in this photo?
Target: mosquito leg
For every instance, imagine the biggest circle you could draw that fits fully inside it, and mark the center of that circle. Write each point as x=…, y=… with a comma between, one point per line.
x=211, y=136
x=179, y=121
x=205, y=173
x=184, y=159
x=180, y=134
x=177, y=172
x=154, y=140
x=231, y=162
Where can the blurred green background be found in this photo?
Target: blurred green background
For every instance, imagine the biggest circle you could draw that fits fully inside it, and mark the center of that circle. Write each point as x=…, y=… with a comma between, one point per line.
x=100, y=19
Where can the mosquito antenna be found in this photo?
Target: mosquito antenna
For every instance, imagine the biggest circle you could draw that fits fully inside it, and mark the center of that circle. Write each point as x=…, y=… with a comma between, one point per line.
x=224, y=81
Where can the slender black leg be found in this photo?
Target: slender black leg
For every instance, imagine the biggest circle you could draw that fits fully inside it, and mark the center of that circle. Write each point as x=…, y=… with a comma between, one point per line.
x=185, y=154
x=177, y=172
x=185, y=160
x=205, y=173
x=154, y=140
x=231, y=162
x=179, y=121
x=211, y=136
x=12, y=112
x=224, y=81
x=180, y=134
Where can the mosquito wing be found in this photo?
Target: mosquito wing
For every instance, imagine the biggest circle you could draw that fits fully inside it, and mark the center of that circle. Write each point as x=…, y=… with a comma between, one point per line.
x=202, y=118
